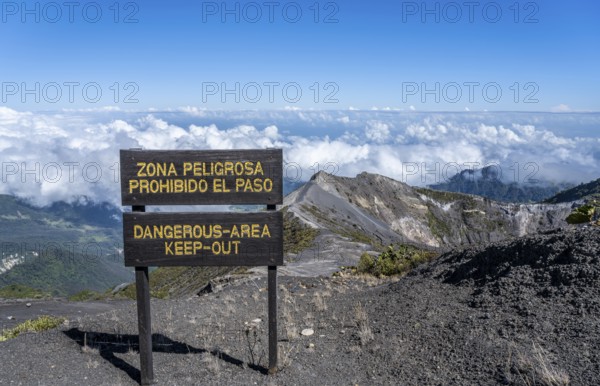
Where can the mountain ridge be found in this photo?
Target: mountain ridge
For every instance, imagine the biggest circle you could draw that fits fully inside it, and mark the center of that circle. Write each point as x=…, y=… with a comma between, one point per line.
x=370, y=211
x=587, y=191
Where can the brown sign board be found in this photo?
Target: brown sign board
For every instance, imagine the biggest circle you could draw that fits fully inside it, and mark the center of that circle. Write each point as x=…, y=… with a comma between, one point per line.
x=203, y=239
x=193, y=177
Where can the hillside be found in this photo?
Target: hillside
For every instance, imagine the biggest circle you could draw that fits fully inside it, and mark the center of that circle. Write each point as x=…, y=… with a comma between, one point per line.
x=588, y=191
x=519, y=312
x=487, y=183
x=329, y=222
x=61, y=249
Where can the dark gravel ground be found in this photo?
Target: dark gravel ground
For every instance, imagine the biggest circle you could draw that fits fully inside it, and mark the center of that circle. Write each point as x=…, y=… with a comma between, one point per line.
x=521, y=312
x=13, y=312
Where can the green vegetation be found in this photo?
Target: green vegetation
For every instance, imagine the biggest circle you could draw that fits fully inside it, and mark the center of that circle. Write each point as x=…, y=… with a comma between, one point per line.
x=589, y=191
x=395, y=260
x=86, y=295
x=296, y=236
x=59, y=271
x=19, y=291
x=42, y=323
x=437, y=226
x=584, y=214
x=63, y=248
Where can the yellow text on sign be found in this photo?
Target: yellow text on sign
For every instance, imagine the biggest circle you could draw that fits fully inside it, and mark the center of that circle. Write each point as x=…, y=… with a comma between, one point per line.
x=205, y=231
x=218, y=185
x=191, y=248
x=200, y=169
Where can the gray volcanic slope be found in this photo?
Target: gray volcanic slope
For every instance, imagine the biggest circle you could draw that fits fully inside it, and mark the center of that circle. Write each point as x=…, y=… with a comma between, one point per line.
x=370, y=211
x=519, y=312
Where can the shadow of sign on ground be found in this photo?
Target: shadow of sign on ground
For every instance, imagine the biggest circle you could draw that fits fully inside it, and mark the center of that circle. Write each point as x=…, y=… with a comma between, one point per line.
x=110, y=344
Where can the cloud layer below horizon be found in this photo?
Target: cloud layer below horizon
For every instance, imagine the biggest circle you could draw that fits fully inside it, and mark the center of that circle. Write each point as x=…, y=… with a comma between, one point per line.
x=63, y=156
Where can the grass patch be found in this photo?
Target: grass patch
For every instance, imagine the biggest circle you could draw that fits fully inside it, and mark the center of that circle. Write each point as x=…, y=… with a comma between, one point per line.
x=19, y=291
x=395, y=260
x=42, y=323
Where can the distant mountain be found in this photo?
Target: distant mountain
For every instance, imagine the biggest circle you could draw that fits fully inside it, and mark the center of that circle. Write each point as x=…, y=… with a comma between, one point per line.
x=486, y=183
x=289, y=185
x=588, y=191
x=84, y=212
x=61, y=249
x=372, y=211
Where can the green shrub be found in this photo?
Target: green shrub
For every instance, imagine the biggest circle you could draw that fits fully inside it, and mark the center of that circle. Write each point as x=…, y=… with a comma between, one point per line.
x=583, y=214
x=366, y=263
x=395, y=260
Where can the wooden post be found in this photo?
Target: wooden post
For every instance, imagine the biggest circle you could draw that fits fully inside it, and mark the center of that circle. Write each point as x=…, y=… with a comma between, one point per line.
x=142, y=287
x=272, y=288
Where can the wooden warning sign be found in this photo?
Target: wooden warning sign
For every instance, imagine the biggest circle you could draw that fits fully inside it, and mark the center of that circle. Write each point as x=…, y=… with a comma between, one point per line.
x=208, y=177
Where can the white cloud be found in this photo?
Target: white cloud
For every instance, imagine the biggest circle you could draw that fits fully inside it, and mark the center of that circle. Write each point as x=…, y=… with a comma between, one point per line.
x=562, y=108
x=377, y=131
x=83, y=147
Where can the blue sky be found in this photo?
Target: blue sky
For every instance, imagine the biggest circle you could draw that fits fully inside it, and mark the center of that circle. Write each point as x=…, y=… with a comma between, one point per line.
x=351, y=54
x=387, y=87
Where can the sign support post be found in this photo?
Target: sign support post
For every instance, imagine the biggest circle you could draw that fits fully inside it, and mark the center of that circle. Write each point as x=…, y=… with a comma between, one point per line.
x=142, y=290
x=272, y=288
